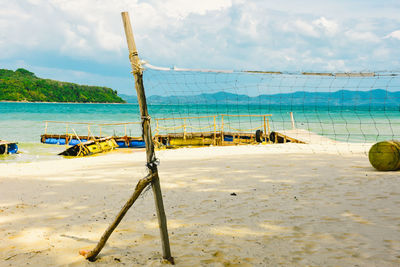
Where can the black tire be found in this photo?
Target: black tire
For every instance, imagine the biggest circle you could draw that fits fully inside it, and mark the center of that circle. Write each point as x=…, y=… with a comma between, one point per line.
x=259, y=136
x=272, y=137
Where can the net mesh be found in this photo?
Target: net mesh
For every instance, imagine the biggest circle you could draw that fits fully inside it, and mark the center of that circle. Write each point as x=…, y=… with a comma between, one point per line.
x=325, y=107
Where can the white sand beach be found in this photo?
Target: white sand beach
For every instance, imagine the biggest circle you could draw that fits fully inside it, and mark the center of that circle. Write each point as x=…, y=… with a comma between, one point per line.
x=262, y=205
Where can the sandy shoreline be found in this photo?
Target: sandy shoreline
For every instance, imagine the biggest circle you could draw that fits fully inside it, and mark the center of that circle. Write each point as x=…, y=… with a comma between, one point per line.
x=295, y=205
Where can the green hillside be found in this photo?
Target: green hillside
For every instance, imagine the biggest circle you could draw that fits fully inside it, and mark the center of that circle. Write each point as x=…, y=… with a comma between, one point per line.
x=23, y=85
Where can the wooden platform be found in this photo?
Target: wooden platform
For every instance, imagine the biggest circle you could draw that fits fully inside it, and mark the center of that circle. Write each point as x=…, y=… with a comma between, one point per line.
x=304, y=136
x=205, y=138
x=299, y=136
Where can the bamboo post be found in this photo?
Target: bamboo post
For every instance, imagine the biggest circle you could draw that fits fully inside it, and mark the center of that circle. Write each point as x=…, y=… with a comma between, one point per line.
x=66, y=135
x=184, y=129
x=151, y=158
x=45, y=128
x=215, y=132
x=292, y=119
x=222, y=129
x=269, y=129
x=265, y=131
x=125, y=129
x=152, y=178
x=157, y=130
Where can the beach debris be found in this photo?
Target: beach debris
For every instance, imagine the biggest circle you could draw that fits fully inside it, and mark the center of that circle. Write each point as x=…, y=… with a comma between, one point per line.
x=91, y=147
x=385, y=155
x=233, y=194
x=7, y=147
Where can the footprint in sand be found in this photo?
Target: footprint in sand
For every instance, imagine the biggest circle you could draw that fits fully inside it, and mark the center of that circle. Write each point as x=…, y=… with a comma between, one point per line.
x=147, y=237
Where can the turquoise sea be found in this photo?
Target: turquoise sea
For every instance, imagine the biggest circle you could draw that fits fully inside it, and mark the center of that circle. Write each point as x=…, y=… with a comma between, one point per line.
x=25, y=122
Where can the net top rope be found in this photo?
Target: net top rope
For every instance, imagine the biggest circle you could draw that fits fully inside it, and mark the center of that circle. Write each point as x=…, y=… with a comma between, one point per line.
x=144, y=64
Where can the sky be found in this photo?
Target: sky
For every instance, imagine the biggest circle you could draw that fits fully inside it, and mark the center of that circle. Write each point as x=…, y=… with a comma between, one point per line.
x=83, y=41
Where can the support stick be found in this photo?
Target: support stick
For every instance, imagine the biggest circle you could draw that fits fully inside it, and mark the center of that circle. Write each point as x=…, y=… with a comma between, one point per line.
x=151, y=158
x=292, y=119
x=142, y=184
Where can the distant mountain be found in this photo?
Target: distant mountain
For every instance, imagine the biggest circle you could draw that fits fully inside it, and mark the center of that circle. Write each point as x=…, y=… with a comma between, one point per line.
x=129, y=98
x=23, y=85
x=376, y=97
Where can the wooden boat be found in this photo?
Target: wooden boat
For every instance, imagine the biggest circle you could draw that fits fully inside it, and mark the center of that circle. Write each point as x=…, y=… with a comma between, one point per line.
x=91, y=147
x=8, y=147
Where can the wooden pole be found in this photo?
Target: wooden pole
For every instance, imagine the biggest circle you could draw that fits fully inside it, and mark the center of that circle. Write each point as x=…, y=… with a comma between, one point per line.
x=152, y=178
x=151, y=158
x=184, y=129
x=215, y=132
x=265, y=131
x=222, y=130
x=66, y=135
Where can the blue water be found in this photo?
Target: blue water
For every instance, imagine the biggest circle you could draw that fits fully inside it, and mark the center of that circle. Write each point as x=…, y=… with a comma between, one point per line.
x=24, y=122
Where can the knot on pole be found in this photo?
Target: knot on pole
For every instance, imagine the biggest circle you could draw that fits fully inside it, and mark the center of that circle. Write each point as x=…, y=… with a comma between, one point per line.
x=136, y=66
x=152, y=165
x=146, y=118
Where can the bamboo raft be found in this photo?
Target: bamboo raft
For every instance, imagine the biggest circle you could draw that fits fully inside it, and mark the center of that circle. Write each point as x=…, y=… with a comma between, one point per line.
x=218, y=137
x=73, y=139
x=70, y=139
x=7, y=147
x=211, y=134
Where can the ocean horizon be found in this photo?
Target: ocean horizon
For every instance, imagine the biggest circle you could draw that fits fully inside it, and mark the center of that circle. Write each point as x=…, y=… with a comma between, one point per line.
x=25, y=122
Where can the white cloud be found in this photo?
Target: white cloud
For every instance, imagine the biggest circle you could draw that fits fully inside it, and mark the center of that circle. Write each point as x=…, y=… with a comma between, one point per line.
x=362, y=36
x=394, y=35
x=182, y=8
x=305, y=28
x=237, y=34
x=330, y=27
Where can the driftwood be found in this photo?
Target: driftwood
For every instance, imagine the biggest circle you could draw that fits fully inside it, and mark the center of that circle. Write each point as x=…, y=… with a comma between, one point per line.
x=141, y=185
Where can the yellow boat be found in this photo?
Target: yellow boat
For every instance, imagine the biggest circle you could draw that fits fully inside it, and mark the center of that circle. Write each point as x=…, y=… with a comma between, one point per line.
x=91, y=147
